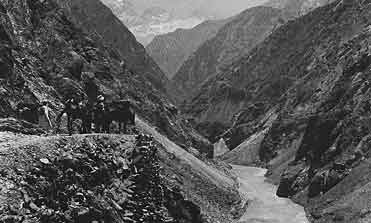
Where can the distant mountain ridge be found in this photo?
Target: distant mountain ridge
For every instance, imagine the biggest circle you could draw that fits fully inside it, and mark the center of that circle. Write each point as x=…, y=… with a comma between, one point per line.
x=172, y=49
x=142, y=16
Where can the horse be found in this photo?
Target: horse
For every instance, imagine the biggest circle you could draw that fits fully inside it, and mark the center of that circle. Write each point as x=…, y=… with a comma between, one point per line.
x=122, y=113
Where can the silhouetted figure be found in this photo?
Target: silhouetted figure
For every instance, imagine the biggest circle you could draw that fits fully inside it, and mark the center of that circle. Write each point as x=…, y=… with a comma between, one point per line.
x=100, y=115
x=91, y=88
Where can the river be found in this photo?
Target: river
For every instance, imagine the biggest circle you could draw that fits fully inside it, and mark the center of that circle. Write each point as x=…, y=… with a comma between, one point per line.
x=264, y=206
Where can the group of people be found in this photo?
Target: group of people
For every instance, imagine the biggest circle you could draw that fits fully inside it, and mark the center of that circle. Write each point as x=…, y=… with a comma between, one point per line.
x=96, y=116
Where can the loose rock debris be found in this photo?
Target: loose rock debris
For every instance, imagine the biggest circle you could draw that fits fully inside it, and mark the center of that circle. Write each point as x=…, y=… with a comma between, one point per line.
x=90, y=180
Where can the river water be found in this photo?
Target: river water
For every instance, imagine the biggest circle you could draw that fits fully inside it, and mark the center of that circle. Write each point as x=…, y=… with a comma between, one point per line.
x=264, y=206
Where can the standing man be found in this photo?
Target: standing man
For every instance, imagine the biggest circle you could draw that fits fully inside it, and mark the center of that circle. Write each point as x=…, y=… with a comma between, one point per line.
x=44, y=117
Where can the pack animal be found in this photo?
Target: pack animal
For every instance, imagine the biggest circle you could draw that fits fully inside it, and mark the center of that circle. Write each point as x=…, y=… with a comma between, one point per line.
x=121, y=112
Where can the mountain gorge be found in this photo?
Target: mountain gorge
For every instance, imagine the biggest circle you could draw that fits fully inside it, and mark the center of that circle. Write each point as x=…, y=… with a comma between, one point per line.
x=286, y=88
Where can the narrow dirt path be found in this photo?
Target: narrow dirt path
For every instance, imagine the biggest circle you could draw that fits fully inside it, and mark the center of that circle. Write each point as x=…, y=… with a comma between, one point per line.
x=264, y=205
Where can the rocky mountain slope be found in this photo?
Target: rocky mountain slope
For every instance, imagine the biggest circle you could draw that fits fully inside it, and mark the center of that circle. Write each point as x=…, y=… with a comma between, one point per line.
x=305, y=95
x=172, y=49
x=254, y=84
x=100, y=22
x=40, y=42
x=233, y=41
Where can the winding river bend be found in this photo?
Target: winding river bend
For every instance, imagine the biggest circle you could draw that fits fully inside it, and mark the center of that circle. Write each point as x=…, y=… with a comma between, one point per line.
x=264, y=205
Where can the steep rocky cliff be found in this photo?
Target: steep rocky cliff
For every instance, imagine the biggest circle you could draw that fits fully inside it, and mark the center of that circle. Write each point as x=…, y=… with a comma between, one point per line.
x=306, y=97
x=172, y=49
x=41, y=41
x=98, y=20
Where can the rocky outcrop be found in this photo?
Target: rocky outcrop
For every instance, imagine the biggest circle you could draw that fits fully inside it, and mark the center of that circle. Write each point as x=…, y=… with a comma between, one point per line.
x=172, y=49
x=247, y=153
x=20, y=126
